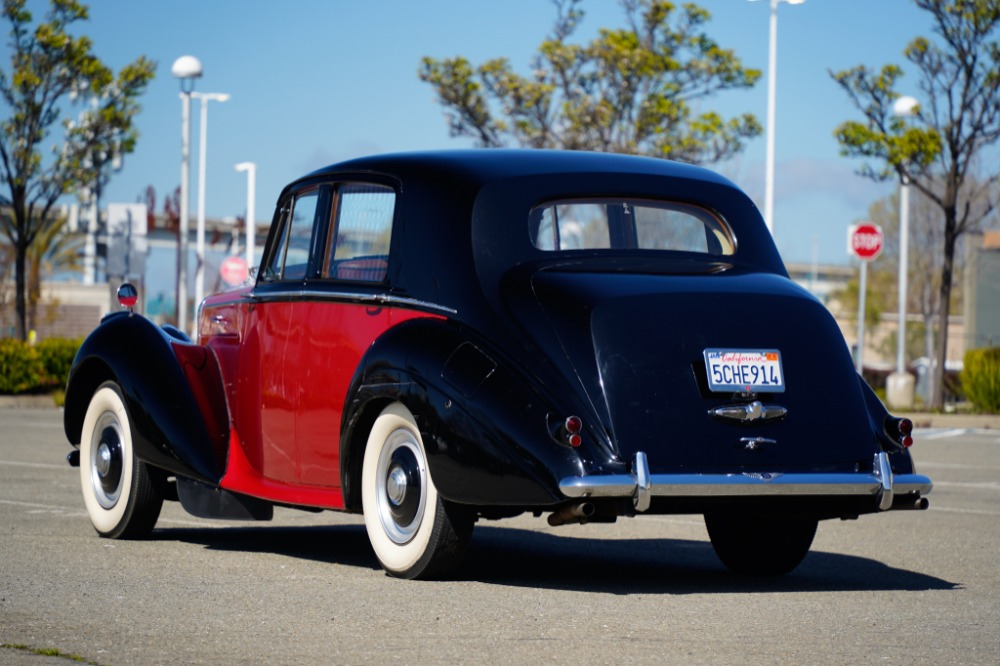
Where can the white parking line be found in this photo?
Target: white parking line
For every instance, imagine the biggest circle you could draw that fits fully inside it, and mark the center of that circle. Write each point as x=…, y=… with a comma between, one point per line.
x=976, y=512
x=986, y=485
x=11, y=463
x=941, y=434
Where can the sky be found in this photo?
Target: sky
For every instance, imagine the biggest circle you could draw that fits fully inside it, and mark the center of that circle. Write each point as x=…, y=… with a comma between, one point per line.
x=316, y=82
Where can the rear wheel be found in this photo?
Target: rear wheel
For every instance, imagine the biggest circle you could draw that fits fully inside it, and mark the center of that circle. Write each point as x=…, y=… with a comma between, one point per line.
x=760, y=545
x=121, y=498
x=415, y=534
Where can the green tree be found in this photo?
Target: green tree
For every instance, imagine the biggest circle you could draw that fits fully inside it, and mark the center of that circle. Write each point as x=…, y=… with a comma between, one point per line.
x=631, y=90
x=937, y=149
x=54, y=250
x=49, y=67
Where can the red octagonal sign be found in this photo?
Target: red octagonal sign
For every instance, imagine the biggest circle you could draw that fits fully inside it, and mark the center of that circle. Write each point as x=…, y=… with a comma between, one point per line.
x=864, y=240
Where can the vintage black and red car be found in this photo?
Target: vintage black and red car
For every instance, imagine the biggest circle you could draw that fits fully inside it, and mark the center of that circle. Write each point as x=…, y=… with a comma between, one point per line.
x=438, y=338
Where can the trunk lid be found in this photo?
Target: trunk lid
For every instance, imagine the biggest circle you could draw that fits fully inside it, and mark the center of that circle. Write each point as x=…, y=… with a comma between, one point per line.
x=636, y=343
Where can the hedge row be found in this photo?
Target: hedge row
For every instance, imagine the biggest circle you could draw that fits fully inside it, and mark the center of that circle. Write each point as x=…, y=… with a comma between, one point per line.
x=981, y=379
x=36, y=369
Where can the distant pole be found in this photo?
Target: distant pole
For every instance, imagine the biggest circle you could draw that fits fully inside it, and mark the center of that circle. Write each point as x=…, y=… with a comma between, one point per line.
x=183, y=240
x=772, y=70
x=187, y=69
x=251, y=224
x=772, y=86
x=900, y=384
x=199, y=279
x=904, y=243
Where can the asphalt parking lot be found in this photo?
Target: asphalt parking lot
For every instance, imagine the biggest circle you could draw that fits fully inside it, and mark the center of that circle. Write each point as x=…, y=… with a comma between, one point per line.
x=902, y=588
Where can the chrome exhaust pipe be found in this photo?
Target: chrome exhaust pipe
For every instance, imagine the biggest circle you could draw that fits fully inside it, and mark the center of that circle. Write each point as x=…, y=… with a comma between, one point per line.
x=573, y=513
x=910, y=504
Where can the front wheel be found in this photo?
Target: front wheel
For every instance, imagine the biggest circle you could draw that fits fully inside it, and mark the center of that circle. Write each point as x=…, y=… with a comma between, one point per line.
x=415, y=534
x=760, y=545
x=121, y=498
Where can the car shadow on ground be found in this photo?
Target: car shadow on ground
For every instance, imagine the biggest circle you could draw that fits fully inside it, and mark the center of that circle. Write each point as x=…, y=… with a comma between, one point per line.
x=526, y=558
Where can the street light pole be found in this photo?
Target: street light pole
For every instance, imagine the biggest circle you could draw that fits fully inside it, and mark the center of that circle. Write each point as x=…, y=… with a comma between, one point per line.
x=251, y=223
x=900, y=384
x=199, y=280
x=772, y=86
x=187, y=69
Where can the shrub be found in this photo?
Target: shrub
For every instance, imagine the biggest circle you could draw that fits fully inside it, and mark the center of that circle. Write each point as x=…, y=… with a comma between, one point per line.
x=981, y=379
x=29, y=369
x=21, y=367
x=57, y=356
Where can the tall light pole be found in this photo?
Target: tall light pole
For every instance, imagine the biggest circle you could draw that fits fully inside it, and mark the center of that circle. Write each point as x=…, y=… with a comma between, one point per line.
x=899, y=387
x=199, y=274
x=772, y=68
x=187, y=69
x=251, y=222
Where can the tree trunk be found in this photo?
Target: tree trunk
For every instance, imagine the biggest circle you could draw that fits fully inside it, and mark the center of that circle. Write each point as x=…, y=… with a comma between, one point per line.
x=20, y=262
x=944, y=307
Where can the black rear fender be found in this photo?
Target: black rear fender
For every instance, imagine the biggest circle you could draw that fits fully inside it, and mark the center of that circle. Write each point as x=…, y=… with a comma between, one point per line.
x=173, y=391
x=484, y=425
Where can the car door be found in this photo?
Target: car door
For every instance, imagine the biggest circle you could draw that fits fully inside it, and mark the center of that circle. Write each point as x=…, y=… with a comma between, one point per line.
x=271, y=375
x=344, y=315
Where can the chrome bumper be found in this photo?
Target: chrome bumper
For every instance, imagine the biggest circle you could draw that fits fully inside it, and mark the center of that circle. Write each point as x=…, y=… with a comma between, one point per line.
x=642, y=486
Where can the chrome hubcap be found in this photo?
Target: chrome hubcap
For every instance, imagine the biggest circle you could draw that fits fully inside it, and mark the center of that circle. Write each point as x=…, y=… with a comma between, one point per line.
x=107, y=460
x=401, y=479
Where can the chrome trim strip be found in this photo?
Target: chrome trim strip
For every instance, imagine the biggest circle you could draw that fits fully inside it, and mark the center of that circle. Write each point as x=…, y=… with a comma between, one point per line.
x=723, y=485
x=381, y=299
x=745, y=413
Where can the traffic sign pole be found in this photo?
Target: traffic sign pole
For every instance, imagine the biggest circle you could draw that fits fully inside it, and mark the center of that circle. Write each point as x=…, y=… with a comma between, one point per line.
x=862, y=296
x=864, y=241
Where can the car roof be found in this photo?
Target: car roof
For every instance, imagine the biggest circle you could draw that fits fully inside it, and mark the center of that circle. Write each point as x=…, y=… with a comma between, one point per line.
x=464, y=213
x=481, y=166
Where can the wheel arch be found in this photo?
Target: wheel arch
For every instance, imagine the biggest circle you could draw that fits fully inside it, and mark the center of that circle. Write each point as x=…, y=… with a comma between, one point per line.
x=485, y=436
x=172, y=389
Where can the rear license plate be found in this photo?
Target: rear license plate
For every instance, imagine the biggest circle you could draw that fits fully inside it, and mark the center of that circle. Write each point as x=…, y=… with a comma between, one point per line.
x=744, y=370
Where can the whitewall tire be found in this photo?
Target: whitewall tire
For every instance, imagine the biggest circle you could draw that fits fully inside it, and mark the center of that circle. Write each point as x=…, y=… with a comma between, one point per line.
x=414, y=533
x=120, y=497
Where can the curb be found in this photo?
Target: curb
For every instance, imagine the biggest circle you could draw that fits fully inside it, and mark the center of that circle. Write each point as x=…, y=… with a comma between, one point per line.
x=27, y=402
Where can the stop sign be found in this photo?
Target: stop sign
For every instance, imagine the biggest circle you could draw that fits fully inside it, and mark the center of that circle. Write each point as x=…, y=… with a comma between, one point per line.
x=864, y=240
x=233, y=270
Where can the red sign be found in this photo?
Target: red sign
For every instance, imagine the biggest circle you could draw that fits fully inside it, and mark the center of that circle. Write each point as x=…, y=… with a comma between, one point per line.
x=864, y=240
x=233, y=270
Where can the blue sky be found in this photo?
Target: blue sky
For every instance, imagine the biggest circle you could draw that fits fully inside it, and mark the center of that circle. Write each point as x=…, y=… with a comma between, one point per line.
x=314, y=82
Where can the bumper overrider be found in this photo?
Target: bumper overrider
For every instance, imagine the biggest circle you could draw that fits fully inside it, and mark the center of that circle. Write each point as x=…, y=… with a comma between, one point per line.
x=900, y=491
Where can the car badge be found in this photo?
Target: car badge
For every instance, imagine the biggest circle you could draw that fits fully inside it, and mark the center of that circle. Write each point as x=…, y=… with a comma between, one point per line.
x=745, y=413
x=766, y=477
x=756, y=443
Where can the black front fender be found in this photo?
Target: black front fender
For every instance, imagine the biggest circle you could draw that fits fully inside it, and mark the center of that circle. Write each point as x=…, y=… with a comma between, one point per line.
x=173, y=392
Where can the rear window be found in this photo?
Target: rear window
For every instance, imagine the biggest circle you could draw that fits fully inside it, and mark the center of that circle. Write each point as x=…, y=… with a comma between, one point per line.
x=622, y=224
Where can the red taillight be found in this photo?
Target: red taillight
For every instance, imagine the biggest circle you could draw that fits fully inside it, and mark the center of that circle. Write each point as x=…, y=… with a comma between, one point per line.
x=571, y=431
x=905, y=427
x=906, y=441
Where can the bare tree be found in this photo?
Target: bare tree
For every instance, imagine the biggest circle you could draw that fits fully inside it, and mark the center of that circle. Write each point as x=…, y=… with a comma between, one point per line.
x=956, y=124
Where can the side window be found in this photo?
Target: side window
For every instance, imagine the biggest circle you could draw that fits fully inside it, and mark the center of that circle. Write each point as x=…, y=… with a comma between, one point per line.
x=291, y=251
x=362, y=227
